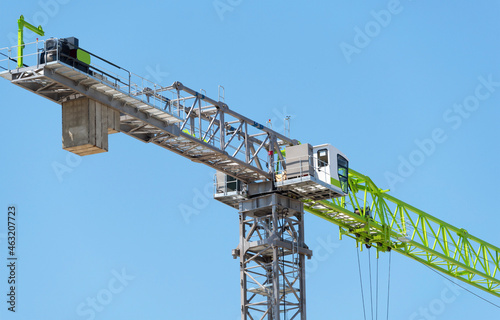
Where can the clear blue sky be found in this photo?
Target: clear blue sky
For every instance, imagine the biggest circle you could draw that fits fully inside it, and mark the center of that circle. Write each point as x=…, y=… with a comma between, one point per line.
x=372, y=95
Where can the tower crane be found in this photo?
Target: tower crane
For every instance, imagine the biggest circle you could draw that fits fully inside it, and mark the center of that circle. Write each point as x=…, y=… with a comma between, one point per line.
x=270, y=178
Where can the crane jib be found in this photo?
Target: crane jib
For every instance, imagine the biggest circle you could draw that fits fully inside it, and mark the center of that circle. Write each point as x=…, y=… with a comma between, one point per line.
x=388, y=223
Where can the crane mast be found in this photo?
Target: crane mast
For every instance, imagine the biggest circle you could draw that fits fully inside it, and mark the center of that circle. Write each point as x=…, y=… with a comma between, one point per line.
x=270, y=178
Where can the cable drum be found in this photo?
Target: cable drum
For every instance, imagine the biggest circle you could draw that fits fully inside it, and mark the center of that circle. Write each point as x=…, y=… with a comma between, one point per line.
x=50, y=51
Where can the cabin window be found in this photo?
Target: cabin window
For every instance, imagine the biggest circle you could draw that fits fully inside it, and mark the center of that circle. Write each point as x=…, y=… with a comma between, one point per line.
x=233, y=184
x=343, y=170
x=322, y=158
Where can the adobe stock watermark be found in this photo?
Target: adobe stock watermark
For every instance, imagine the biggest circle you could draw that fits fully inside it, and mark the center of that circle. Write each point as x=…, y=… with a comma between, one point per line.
x=156, y=74
x=222, y=7
x=323, y=249
x=363, y=36
x=454, y=117
x=437, y=306
x=95, y=304
x=277, y=119
x=48, y=9
x=72, y=161
x=200, y=201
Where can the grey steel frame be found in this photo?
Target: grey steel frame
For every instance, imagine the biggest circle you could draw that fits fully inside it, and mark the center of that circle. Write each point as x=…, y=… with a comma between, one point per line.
x=186, y=122
x=272, y=258
x=206, y=131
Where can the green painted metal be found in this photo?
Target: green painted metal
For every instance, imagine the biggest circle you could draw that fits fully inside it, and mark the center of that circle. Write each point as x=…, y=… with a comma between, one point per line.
x=335, y=182
x=21, y=24
x=376, y=219
x=83, y=56
x=192, y=134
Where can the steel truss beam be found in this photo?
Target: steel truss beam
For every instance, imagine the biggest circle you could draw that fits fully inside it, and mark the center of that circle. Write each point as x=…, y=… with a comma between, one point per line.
x=187, y=123
x=374, y=218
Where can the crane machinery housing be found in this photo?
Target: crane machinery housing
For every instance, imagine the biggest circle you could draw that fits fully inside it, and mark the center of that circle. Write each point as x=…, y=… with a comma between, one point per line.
x=270, y=178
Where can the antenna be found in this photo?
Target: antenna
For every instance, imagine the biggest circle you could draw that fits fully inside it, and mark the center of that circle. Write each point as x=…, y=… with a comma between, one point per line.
x=287, y=126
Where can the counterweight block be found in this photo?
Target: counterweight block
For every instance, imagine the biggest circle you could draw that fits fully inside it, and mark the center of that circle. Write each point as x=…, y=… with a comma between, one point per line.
x=86, y=124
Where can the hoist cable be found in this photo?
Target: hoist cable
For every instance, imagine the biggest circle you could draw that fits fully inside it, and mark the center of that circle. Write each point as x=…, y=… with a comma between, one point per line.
x=370, y=272
x=376, y=293
x=361, y=282
x=389, y=284
x=492, y=303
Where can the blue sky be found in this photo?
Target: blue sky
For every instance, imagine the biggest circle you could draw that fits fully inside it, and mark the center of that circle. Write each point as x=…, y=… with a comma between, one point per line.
x=114, y=220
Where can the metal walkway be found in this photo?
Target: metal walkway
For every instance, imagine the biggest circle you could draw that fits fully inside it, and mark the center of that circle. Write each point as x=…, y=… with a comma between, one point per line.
x=176, y=117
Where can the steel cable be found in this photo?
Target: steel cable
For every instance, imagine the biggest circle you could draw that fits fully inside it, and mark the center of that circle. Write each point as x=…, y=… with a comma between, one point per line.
x=361, y=282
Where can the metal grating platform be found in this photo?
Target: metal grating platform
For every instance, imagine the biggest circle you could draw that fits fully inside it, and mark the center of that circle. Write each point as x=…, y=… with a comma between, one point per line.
x=309, y=187
x=59, y=82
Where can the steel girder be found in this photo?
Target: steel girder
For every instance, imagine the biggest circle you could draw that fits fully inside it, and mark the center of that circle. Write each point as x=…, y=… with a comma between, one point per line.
x=187, y=122
x=376, y=219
